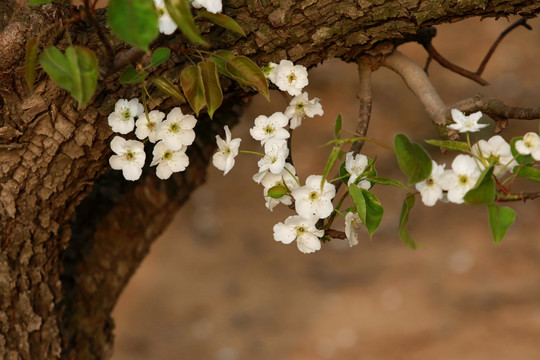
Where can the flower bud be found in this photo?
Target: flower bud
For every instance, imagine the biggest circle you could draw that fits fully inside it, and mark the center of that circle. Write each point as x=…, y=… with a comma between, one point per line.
x=277, y=191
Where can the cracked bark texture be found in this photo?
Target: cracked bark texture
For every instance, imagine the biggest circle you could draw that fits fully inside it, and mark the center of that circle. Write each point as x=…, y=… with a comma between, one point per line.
x=63, y=266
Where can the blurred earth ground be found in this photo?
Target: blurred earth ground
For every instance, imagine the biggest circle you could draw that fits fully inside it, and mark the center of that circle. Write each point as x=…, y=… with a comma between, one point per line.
x=217, y=286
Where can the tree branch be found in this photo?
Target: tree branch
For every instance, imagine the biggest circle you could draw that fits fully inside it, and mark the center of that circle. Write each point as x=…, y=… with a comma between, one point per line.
x=496, y=108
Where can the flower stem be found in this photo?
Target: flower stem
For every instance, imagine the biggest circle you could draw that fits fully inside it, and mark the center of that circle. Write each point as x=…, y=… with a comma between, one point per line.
x=251, y=152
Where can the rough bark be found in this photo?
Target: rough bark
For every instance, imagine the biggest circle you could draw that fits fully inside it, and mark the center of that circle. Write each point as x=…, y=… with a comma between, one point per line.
x=60, y=280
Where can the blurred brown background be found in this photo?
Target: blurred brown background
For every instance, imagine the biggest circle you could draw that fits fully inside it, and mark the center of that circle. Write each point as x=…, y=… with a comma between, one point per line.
x=217, y=286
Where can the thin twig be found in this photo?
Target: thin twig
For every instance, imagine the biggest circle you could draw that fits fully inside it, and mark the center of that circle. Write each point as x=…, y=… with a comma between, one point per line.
x=365, y=98
x=496, y=108
x=520, y=22
x=518, y=197
x=335, y=234
x=100, y=34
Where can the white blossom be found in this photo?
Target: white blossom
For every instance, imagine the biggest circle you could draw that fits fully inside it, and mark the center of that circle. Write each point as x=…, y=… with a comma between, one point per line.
x=129, y=158
x=495, y=151
x=460, y=179
x=465, y=123
x=213, y=6
x=430, y=189
x=530, y=145
x=355, y=166
x=276, y=152
x=270, y=72
x=282, y=179
x=302, y=230
x=147, y=127
x=228, y=149
x=352, y=224
x=166, y=24
x=122, y=120
x=168, y=161
x=177, y=130
x=311, y=200
x=291, y=78
x=300, y=106
x=272, y=127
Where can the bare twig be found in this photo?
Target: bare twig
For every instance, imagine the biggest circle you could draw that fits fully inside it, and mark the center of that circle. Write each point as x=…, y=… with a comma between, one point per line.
x=496, y=108
x=88, y=10
x=365, y=98
x=418, y=81
x=520, y=22
x=336, y=234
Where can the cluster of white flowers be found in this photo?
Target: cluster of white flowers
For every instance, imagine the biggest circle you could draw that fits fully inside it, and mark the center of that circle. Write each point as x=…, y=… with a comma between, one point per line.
x=313, y=201
x=452, y=185
x=171, y=137
x=167, y=25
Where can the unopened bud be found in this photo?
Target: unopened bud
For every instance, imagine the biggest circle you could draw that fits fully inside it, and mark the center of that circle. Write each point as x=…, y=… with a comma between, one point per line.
x=277, y=191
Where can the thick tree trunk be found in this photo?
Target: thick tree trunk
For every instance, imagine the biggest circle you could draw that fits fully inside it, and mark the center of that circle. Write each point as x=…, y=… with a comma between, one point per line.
x=62, y=268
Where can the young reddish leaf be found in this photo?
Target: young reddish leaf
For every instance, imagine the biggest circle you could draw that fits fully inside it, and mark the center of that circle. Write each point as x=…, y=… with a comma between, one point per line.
x=221, y=58
x=134, y=21
x=30, y=61
x=169, y=88
x=246, y=72
x=212, y=86
x=131, y=76
x=223, y=20
x=180, y=12
x=193, y=88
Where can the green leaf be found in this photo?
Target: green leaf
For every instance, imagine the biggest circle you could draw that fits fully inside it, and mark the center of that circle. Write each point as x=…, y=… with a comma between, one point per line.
x=344, y=174
x=39, y=2
x=408, y=204
x=484, y=189
x=500, y=219
x=159, y=56
x=30, y=61
x=76, y=71
x=359, y=201
x=193, y=88
x=131, y=76
x=334, y=155
x=247, y=73
x=386, y=181
x=180, y=12
x=224, y=21
x=337, y=127
x=525, y=160
x=169, y=88
x=374, y=211
x=529, y=173
x=413, y=160
x=134, y=21
x=212, y=86
x=448, y=144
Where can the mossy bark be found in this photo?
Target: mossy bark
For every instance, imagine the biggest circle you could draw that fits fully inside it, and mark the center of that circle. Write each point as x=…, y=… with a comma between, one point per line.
x=62, y=269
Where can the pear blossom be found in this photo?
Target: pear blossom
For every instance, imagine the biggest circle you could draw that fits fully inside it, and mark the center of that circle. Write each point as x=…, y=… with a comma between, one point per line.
x=496, y=151
x=168, y=161
x=300, y=106
x=272, y=127
x=276, y=152
x=352, y=224
x=122, y=120
x=291, y=78
x=177, y=130
x=460, y=179
x=430, y=189
x=213, y=6
x=270, y=72
x=228, y=149
x=530, y=145
x=282, y=179
x=355, y=166
x=147, y=127
x=464, y=123
x=302, y=230
x=165, y=23
x=312, y=200
x=129, y=158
